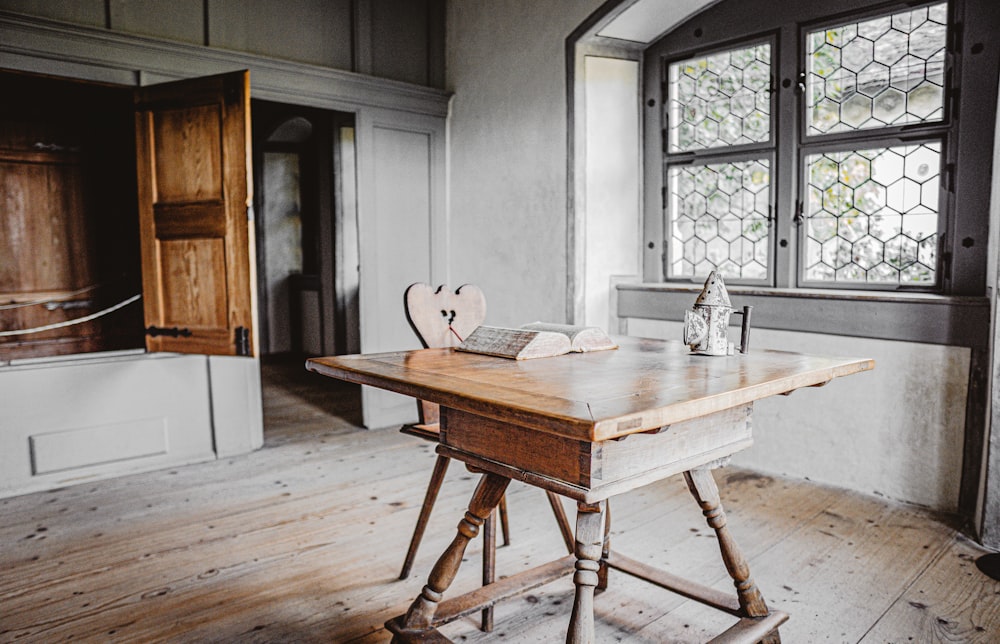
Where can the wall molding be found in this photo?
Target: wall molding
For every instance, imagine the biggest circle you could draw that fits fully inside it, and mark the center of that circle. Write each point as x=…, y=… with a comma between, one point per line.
x=47, y=46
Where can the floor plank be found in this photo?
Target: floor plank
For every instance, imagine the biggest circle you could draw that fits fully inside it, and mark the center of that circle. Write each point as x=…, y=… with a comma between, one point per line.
x=302, y=542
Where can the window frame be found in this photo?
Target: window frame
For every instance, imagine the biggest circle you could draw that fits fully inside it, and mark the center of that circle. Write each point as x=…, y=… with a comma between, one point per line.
x=962, y=247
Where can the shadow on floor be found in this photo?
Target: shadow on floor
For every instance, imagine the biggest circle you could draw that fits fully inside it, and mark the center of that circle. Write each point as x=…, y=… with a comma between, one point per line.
x=289, y=388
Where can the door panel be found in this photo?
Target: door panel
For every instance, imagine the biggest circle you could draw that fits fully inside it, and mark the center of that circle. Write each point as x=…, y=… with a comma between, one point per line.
x=402, y=238
x=192, y=151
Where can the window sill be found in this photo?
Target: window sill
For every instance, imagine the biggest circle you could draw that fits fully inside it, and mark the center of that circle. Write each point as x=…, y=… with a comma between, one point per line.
x=910, y=317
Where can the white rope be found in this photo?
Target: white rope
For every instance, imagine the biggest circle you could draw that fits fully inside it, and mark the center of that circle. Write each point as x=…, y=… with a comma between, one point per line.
x=86, y=318
x=18, y=305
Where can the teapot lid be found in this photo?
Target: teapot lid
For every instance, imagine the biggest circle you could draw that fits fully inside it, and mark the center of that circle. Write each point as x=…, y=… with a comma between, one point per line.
x=714, y=293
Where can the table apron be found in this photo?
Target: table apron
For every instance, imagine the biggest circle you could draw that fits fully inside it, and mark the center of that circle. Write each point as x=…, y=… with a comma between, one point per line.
x=590, y=471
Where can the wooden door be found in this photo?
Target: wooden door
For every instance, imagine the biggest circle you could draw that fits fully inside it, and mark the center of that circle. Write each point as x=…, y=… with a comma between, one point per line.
x=193, y=162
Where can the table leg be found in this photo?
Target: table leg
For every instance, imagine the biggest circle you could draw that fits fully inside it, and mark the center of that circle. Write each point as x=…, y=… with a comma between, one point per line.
x=589, y=541
x=420, y=615
x=706, y=493
x=489, y=566
x=602, y=574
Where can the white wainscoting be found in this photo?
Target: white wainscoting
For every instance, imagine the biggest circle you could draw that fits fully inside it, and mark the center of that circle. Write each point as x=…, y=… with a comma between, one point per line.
x=71, y=419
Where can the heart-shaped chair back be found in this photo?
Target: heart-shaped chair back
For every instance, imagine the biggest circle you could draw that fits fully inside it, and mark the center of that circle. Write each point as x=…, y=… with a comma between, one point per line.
x=441, y=317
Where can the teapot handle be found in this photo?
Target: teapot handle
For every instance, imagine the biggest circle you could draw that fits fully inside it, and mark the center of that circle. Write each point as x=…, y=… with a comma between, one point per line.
x=744, y=328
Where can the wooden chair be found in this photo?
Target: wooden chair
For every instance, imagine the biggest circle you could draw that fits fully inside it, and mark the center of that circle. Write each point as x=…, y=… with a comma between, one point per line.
x=443, y=318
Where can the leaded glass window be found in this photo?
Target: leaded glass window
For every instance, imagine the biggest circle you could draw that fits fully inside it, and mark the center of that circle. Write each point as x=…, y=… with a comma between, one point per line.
x=873, y=215
x=721, y=219
x=721, y=99
x=888, y=70
x=842, y=183
x=718, y=204
x=872, y=211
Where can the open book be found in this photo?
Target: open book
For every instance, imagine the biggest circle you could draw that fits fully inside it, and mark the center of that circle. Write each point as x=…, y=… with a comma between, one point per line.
x=536, y=340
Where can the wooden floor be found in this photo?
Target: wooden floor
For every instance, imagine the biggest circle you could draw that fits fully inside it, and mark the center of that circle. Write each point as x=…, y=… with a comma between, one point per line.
x=302, y=542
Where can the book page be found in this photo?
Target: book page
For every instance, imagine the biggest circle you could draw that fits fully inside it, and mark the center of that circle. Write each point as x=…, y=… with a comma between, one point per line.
x=582, y=338
x=519, y=344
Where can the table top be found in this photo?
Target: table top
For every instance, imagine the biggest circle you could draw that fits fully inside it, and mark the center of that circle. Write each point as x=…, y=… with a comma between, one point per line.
x=643, y=385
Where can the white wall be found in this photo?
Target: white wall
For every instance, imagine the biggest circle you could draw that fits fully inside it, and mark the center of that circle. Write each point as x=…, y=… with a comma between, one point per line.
x=610, y=211
x=896, y=431
x=507, y=67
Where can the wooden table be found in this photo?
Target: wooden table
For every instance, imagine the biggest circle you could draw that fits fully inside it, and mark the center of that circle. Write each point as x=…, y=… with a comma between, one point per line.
x=590, y=426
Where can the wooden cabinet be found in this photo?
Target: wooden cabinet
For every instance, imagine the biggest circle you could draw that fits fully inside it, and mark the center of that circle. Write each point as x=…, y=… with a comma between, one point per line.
x=68, y=227
x=79, y=233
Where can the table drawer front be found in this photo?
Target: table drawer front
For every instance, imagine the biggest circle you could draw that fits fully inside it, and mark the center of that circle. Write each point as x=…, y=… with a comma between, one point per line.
x=550, y=455
x=590, y=465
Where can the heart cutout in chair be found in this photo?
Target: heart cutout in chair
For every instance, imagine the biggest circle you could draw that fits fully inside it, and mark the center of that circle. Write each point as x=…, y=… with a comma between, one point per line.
x=441, y=317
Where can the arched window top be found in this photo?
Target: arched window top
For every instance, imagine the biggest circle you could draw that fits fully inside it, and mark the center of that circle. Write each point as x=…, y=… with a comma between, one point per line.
x=295, y=130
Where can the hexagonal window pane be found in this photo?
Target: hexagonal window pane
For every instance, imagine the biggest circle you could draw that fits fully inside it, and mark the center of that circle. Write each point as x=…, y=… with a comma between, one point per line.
x=917, y=274
x=682, y=268
x=905, y=49
x=925, y=101
x=730, y=179
x=869, y=198
x=822, y=228
x=718, y=204
x=823, y=172
x=705, y=179
x=719, y=216
x=855, y=170
x=718, y=109
x=718, y=251
x=857, y=54
x=885, y=226
x=820, y=273
x=837, y=252
x=872, y=29
x=684, y=228
x=890, y=47
x=741, y=252
x=883, y=273
x=852, y=227
x=887, y=166
x=726, y=87
x=907, y=73
x=850, y=273
x=838, y=199
x=867, y=253
x=904, y=195
x=731, y=129
x=873, y=79
x=754, y=271
x=756, y=229
x=922, y=163
x=729, y=228
x=889, y=106
x=706, y=132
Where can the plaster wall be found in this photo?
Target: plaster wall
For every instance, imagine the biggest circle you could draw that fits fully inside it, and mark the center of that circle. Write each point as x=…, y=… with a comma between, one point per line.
x=506, y=65
x=896, y=431
x=611, y=204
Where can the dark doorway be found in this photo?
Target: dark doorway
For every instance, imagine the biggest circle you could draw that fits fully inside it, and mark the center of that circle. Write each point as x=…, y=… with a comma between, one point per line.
x=304, y=205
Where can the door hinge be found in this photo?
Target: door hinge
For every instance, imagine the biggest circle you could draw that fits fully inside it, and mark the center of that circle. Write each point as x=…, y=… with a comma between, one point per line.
x=242, y=341
x=798, y=213
x=172, y=332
